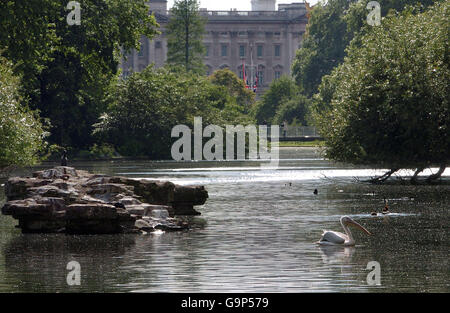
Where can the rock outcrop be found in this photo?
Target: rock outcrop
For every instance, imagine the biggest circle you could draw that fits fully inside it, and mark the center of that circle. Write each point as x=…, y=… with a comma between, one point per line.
x=64, y=199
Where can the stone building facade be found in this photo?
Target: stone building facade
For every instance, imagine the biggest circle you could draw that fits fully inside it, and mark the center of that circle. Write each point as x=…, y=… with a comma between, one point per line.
x=262, y=41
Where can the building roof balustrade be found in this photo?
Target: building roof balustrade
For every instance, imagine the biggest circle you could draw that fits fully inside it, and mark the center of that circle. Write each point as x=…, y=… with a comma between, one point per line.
x=232, y=15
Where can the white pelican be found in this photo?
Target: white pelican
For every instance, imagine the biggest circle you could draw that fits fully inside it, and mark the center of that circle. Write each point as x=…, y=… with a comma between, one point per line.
x=334, y=238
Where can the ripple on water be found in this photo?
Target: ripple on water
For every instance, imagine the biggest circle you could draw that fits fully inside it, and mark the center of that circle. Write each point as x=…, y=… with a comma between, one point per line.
x=259, y=235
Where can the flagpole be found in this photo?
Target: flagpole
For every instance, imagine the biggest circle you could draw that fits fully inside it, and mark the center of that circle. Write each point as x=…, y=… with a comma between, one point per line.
x=244, y=76
x=251, y=65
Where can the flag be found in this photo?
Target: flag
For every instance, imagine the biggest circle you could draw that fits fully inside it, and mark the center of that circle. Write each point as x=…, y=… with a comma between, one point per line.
x=245, y=78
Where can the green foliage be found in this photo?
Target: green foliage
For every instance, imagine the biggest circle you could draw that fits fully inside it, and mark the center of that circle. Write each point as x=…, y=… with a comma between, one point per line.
x=324, y=45
x=102, y=151
x=332, y=26
x=147, y=105
x=68, y=69
x=21, y=133
x=388, y=103
x=293, y=111
x=280, y=90
x=235, y=87
x=184, y=36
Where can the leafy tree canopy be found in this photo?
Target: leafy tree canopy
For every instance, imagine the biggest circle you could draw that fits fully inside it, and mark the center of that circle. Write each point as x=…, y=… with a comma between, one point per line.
x=21, y=133
x=331, y=27
x=235, y=87
x=280, y=90
x=67, y=69
x=293, y=110
x=184, y=36
x=388, y=104
x=149, y=104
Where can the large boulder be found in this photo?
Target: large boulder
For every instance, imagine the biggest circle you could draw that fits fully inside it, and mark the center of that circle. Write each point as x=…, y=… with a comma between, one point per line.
x=154, y=192
x=63, y=172
x=28, y=208
x=96, y=218
x=63, y=199
x=180, y=199
x=69, y=196
x=18, y=187
x=196, y=195
x=43, y=215
x=91, y=211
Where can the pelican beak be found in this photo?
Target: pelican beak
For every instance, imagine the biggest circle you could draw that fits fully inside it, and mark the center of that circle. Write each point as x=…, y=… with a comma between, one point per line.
x=360, y=227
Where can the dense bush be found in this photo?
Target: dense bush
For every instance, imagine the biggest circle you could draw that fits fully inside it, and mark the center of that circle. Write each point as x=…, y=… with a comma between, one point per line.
x=293, y=111
x=388, y=103
x=147, y=105
x=66, y=69
x=332, y=25
x=235, y=87
x=282, y=102
x=21, y=133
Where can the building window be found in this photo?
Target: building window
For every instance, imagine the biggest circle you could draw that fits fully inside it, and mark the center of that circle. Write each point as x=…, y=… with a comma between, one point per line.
x=141, y=51
x=277, y=50
x=259, y=51
x=242, y=34
x=207, y=51
x=242, y=51
x=158, y=44
x=224, y=50
x=260, y=77
x=277, y=74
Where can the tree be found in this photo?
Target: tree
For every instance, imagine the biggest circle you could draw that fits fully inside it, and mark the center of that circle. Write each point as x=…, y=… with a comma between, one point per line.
x=184, y=35
x=293, y=110
x=21, y=132
x=68, y=69
x=332, y=26
x=145, y=107
x=324, y=45
x=235, y=87
x=279, y=90
x=387, y=105
x=356, y=15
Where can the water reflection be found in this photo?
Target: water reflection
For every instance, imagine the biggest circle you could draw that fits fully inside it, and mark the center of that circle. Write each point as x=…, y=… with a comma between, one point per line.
x=38, y=262
x=259, y=235
x=336, y=254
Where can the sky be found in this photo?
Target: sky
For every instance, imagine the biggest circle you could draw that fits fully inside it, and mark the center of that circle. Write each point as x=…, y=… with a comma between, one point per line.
x=240, y=5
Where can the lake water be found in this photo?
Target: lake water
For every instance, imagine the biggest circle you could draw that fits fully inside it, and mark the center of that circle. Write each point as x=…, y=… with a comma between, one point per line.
x=259, y=235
